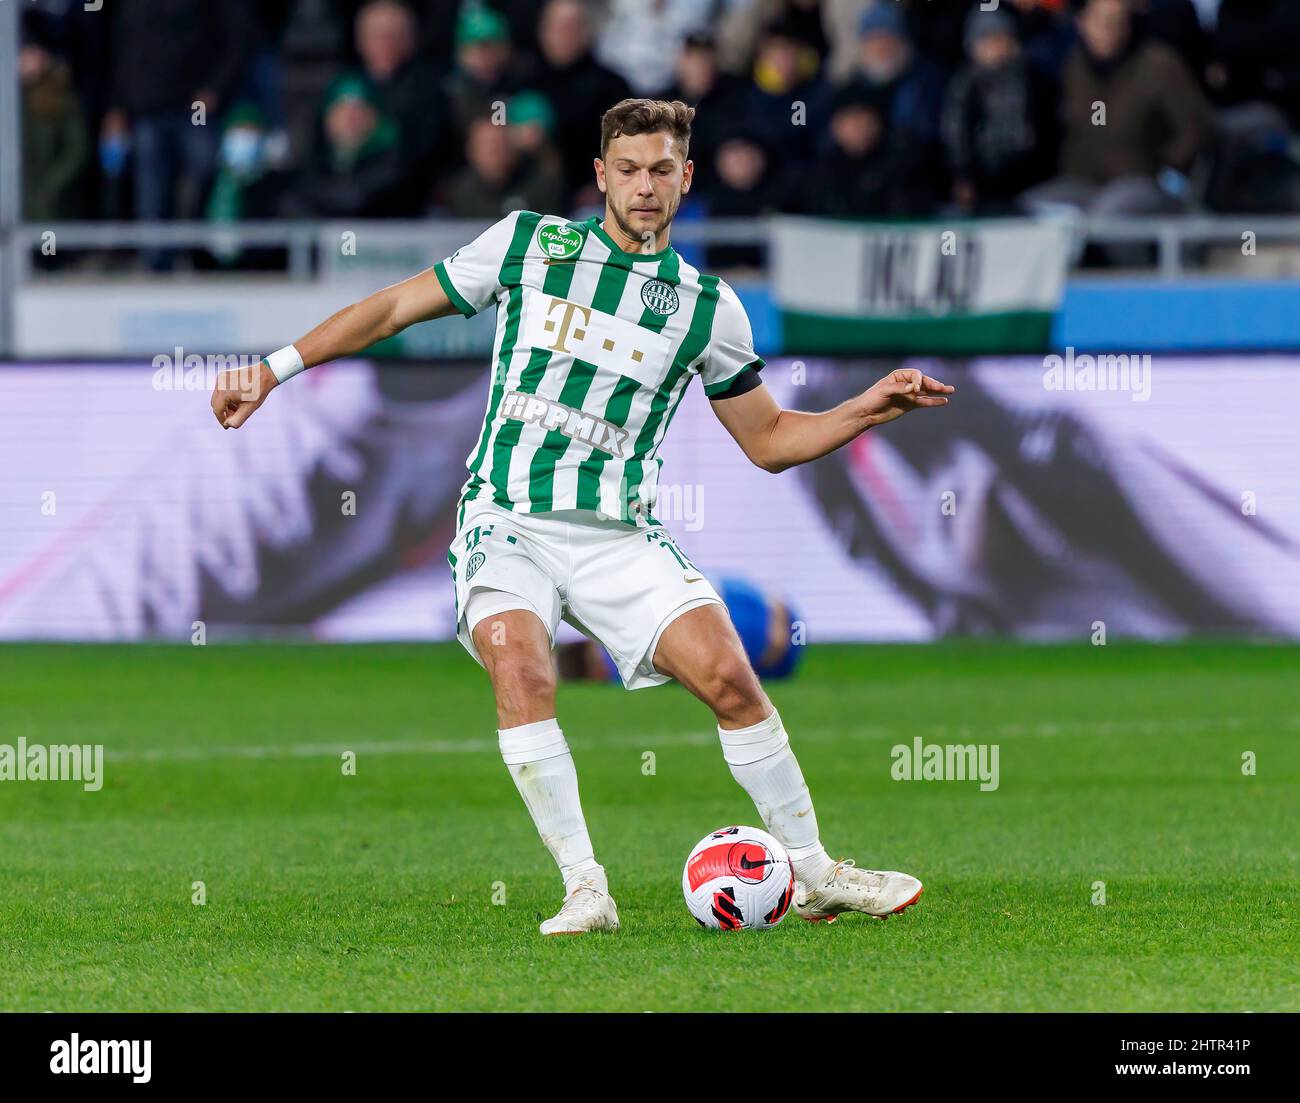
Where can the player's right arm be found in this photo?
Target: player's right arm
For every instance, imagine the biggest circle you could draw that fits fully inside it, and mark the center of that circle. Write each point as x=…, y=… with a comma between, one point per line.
x=352, y=329
x=463, y=283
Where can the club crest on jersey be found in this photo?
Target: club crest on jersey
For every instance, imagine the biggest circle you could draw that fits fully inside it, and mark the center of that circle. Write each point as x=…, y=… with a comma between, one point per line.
x=559, y=242
x=660, y=297
x=475, y=562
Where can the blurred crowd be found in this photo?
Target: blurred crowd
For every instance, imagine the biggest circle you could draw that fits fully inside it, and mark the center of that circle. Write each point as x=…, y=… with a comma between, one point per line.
x=230, y=109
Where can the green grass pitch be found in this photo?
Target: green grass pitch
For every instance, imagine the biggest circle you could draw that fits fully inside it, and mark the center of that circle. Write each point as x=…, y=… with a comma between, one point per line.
x=1119, y=764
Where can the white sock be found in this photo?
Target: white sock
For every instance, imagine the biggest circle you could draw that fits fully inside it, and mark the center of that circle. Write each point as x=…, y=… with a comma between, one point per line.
x=762, y=762
x=538, y=759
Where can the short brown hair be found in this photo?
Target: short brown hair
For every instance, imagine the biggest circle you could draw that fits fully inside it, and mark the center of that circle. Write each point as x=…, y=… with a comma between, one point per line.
x=642, y=116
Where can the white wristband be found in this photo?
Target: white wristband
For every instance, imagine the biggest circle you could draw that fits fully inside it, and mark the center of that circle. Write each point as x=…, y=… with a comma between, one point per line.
x=285, y=363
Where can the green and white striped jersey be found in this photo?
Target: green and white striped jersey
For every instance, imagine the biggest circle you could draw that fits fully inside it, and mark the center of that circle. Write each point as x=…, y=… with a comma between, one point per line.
x=594, y=349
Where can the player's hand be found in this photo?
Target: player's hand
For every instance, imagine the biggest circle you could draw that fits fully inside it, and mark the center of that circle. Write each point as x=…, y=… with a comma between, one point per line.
x=239, y=392
x=903, y=390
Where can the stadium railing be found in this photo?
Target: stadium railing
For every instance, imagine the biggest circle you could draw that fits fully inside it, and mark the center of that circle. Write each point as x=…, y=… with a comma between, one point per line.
x=1170, y=235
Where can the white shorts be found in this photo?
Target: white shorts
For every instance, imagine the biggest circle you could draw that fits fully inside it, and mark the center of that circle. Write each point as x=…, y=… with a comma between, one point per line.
x=620, y=585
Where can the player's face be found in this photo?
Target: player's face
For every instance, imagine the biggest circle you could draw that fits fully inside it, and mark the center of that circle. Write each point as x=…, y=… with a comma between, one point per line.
x=644, y=178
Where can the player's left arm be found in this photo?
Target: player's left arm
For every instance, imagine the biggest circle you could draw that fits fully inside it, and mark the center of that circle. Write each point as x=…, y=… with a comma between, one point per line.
x=775, y=438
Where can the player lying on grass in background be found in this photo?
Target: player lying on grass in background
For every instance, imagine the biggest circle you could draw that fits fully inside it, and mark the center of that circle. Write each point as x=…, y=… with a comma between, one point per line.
x=601, y=326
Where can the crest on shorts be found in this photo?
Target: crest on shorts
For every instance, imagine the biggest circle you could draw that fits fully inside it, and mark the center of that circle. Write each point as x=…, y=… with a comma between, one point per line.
x=559, y=242
x=660, y=297
x=475, y=562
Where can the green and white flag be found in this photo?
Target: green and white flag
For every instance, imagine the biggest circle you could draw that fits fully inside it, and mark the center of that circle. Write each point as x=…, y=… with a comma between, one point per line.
x=960, y=287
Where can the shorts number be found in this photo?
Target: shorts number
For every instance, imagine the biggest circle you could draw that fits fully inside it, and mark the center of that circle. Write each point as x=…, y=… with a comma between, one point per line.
x=660, y=537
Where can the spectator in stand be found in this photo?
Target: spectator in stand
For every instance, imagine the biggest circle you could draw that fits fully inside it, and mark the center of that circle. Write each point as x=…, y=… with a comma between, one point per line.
x=488, y=70
x=751, y=182
x=522, y=16
x=261, y=82
x=531, y=120
x=55, y=149
x=641, y=40
x=532, y=128
x=407, y=88
x=77, y=36
x=1176, y=24
x=356, y=170
x=742, y=25
x=1256, y=55
x=580, y=87
x=842, y=18
x=168, y=56
x=249, y=183
x=911, y=85
x=508, y=168
x=1047, y=32
x=789, y=101
x=1254, y=77
x=938, y=30
x=862, y=173
x=718, y=97
x=433, y=17
x=999, y=123
x=1156, y=119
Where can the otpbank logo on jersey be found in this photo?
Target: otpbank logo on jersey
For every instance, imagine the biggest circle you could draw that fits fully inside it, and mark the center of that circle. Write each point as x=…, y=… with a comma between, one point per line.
x=559, y=242
x=660, y=297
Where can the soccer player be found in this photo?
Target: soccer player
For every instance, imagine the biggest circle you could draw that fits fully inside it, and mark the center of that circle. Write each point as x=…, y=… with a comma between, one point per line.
x=601, y=326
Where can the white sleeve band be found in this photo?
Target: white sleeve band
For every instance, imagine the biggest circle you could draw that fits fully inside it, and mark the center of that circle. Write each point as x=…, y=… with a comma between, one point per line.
x=285, y=363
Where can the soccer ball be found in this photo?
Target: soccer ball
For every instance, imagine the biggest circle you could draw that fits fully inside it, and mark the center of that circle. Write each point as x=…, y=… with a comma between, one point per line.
x=738, y=878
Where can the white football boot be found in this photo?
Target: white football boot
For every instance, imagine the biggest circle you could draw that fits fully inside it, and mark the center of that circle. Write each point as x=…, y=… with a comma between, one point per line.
x=847, y=888
x=589, y=907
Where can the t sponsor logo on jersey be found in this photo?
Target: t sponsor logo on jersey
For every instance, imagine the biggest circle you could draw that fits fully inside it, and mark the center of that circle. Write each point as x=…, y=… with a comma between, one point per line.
x=660, y=297
x=559, y=242
x=573, y=423
x=585, y=333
